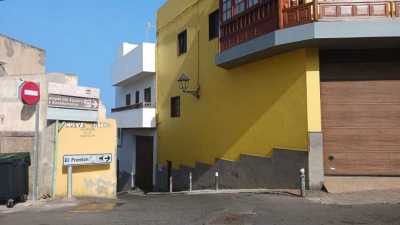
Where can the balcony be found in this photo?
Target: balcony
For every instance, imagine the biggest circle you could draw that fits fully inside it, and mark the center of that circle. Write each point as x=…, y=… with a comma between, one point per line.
x=273, y=26
x=133, y=61
x=141, y=115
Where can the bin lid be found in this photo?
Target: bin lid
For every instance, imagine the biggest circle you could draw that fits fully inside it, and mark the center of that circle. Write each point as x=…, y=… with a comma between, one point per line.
x=12, y=157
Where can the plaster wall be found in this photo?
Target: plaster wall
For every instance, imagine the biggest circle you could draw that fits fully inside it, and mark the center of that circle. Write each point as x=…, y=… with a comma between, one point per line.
x=20, y=58
x=250, y=110
x=88, y=138
x=131, y=87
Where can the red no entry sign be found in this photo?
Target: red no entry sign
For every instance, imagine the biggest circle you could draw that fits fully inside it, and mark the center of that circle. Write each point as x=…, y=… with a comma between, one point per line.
x=30, y=93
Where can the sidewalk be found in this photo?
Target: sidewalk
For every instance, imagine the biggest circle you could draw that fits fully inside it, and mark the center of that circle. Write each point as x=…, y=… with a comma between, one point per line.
x=74, y=205
x=356, y=198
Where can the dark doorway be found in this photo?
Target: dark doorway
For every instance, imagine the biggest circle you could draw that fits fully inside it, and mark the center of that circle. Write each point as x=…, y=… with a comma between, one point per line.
x=144, y=163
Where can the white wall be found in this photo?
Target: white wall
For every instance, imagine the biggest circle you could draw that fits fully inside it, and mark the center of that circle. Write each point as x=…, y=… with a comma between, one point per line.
x=138, y=84
x=133, y=60
x=136, y=118
x=127, y=152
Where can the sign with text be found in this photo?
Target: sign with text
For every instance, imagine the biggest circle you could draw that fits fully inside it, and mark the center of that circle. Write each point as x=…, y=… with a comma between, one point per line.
x=72, y=102
x=81, y=160
x=72, y=90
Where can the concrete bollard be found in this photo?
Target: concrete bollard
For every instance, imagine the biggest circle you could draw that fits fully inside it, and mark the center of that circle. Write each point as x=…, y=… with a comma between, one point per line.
x=190, y=182
x=170, y=184
x=216, y=181
x=302, y=182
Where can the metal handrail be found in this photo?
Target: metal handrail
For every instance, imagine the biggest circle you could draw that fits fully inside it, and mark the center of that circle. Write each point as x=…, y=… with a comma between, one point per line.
x=133, y=106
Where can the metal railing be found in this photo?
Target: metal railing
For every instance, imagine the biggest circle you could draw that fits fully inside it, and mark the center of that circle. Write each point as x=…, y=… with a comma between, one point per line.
x=134, y=106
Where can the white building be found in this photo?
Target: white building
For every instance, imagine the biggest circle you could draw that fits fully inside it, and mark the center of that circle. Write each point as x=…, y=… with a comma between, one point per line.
x=134, y=79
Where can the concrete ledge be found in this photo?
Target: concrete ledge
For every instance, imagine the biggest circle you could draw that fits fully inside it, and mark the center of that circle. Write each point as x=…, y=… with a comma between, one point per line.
x=16, y=134
x=367, y=34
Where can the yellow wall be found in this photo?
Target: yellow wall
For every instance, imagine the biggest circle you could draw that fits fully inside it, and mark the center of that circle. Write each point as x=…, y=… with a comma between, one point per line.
x=247, y=110
x=313, y=91
x=88, y=181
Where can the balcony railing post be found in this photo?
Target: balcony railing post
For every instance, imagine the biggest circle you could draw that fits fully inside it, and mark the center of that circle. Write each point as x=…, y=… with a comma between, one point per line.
x=280, y=13
x=315, y=10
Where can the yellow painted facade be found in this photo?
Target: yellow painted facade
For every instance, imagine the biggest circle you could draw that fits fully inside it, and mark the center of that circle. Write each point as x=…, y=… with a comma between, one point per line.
x=85, y=138
x=251, y=109
x=313, y=91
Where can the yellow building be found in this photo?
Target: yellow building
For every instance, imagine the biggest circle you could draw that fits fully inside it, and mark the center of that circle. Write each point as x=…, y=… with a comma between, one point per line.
x=239, y=92
x=80, y=138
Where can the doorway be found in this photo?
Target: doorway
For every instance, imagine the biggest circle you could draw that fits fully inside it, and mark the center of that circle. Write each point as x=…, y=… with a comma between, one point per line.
x=144, y=163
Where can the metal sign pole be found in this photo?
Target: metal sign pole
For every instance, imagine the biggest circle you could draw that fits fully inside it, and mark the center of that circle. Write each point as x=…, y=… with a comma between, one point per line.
x=35, y=159
x=69, y=182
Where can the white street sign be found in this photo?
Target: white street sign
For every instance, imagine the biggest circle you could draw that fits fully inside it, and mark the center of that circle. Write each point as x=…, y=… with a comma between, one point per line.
x=78, y=160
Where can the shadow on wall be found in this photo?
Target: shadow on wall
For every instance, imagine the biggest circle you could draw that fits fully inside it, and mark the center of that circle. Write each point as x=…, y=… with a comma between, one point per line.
x=85, y=169
x=27, y=112
x=248, y=110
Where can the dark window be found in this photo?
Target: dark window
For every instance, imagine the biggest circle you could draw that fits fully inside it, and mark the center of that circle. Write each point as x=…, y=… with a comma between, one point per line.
x=176, y=106
x=128, y=99
x=213, y=25
x=182, y=42
x=137, y=97
x=251, y=3
x=147, y=95
x=240, y=6
x=227, y=10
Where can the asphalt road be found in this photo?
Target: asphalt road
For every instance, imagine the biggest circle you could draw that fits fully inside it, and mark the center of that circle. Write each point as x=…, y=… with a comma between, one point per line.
x=233, y=209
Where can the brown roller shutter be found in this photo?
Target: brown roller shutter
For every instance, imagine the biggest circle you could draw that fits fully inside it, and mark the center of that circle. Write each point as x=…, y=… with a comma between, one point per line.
x=360, y=98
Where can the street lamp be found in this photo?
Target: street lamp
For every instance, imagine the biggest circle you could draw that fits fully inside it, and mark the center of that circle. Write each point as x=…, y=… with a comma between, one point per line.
x=183, y=82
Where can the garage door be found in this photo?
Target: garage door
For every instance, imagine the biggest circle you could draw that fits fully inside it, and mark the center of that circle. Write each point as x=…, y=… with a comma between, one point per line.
x=360, y=98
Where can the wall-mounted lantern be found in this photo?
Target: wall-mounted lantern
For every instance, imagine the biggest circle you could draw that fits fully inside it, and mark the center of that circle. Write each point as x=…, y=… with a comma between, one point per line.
x=184, y=81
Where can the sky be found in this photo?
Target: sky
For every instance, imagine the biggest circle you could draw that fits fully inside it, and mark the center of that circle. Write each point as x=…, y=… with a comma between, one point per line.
x=80, y=36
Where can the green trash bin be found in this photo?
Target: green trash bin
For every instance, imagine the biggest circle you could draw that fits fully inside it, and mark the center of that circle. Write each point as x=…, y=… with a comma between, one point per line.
x=14, y=177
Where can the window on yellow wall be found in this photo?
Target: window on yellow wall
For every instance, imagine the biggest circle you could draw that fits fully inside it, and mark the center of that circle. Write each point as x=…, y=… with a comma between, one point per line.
x=182, y=42
x=213, y=25
x=176, y=106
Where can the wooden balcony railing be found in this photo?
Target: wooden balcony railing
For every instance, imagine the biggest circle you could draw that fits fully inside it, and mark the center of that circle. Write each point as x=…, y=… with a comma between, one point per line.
x=296, y=15
x=352, y=9
x=249, y=24
x=271, y=15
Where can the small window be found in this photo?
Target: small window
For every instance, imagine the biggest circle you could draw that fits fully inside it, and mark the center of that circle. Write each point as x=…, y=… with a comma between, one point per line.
x=252, y=3
x=240, y=6
x=213, y=25
x=147, y=95
x=176, y=106
x=128, y=99
x=227, y=9
x=137, y=97
x=182, y=42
